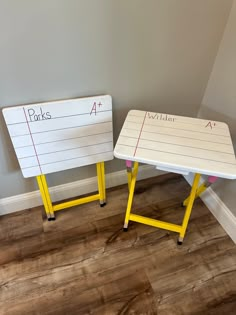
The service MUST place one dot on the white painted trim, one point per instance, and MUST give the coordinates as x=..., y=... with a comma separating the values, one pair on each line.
x=217, y=207
x=70, y=190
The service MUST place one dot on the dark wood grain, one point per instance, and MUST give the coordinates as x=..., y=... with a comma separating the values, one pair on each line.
x=83, y=263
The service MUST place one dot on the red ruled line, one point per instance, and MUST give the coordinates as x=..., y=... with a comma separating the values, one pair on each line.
x=140, y=134
x=32, y=141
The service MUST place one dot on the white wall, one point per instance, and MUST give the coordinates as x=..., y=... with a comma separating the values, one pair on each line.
x=219, y=101
x=148, y=54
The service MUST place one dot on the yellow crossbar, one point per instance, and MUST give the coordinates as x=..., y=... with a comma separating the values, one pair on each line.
x=155, y=223
x=76, y=202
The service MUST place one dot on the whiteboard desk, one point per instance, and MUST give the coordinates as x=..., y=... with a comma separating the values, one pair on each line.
x=175, y=144
x=60, y=135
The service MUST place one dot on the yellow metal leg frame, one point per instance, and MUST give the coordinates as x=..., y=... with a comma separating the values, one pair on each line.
x=50, y=208
x=45, y=196
x=200, y=190
x=181, y=229
x=210, y=180
x=101, y=183
x=132, y=176
x=129, y=172
x=189, y=207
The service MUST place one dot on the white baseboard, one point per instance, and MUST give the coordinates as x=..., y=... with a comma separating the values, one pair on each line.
x=220, y=211
x=70, y=190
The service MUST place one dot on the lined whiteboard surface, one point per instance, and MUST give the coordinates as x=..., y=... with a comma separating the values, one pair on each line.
x=55, y=136
x=177, y=142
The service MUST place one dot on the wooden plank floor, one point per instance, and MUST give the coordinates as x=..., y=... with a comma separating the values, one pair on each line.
x=83, y=263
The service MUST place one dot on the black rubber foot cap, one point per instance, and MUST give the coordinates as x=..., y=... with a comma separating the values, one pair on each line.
x=182, y=204
x=179, y=242
x=125, y=229
x=102, y=204
x=51, y=219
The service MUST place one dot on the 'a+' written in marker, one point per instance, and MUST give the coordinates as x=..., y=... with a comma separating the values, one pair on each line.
x=95, y=108
x=210, y=124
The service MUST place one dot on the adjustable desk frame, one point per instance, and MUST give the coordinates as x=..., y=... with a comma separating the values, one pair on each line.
x=50, y=208
x=181, y=229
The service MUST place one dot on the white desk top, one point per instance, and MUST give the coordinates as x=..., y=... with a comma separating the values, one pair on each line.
x=180, y=144
x=54, y=136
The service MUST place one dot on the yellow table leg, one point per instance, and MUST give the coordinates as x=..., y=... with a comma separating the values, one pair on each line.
x=101, y=180
x=129, y=176
x=45, y=202
x=129, y=172
x=200, y=190
x=131, y=195
x=43, y=187
x=189, y=207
